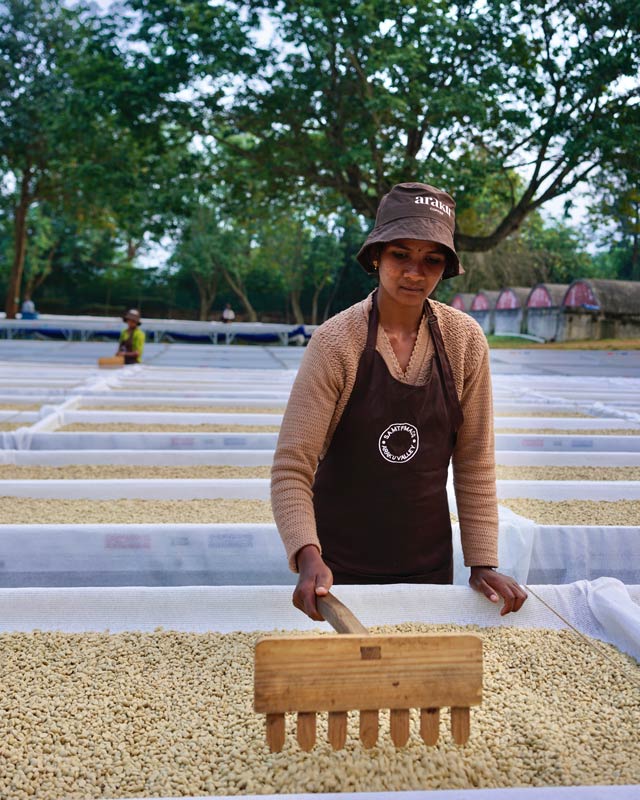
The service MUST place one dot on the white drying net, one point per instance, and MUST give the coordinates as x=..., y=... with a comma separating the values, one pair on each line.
x=165, y=554
x=605, y=609
x=515, y=546
x=26, y=439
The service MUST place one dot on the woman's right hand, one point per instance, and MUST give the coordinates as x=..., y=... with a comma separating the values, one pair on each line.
x=314, y=579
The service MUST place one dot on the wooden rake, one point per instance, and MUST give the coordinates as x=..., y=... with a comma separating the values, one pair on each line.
x=358, y=671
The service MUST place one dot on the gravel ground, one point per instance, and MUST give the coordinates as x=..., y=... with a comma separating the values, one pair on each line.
x=171, y=714
x=572, y=432
x=136, y=427
x=576, y=512
x=18, y=510
x=178, y=409
x=19, y=406
x=9, y=472
x=12, y=426
x=549, y=473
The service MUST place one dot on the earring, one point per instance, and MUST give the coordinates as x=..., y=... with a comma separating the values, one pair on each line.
x=375, y=265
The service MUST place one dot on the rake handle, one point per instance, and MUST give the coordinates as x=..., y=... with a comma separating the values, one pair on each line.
x=341, y=619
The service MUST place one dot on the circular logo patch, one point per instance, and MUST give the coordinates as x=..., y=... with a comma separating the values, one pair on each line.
x=399, y=443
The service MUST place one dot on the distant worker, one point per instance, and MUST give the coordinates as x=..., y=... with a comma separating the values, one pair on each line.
x=228, y=314
x=28, y=309
x=132, y=338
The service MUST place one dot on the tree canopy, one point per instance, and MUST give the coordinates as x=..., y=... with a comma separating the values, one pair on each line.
x=362, y=94
x=271, y=128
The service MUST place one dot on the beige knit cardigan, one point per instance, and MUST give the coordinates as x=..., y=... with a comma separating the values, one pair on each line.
x=319, y=396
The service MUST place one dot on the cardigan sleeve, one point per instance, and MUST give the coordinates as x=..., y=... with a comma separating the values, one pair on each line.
x=474, y=459
x=316, y=391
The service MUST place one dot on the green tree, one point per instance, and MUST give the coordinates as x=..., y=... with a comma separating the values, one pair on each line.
x=610, y=264
x=303, y=248
x=43, y=121
x=237, y=274
x=43, y=241
x=361, y=94
x=325, y=256
x=616, y=215
x=557, y=251
x=86, y=269
x=349, y=282
x=208, y=251
x=284, y=248
x=540, y=252
x=93, y=121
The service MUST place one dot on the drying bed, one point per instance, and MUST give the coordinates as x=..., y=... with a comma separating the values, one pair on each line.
x=200, y=471
x=520, y=412
x=133, y=427
x=42, y=510
x=563, y=473
x=169, y=713
x=575, y=512
x=572, y=432
x=192, y=488
x=239, y=553
x=133, y=472
x=188, y=409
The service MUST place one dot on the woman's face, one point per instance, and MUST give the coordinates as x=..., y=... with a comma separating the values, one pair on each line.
x=410, y=269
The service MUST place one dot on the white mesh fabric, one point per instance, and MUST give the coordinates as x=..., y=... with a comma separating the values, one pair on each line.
x=512, y=793
x=229, y=608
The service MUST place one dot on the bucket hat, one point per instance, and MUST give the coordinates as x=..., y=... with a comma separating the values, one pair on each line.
x=132, y=314
x=414, y=211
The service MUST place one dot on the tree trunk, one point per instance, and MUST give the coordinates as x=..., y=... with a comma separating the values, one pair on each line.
x=30, y=287
x=205, y=307
x=239, y=290
x=635, y=249
x=294, y=297
x=35, y=281
x=20, y=247
x=314, y=304
x=207, y=291
x=334, y=291
x=132, y=249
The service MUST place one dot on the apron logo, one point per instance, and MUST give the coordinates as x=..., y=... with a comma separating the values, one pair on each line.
x=399, y=443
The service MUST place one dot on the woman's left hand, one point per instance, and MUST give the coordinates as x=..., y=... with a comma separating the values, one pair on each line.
x=494, y=585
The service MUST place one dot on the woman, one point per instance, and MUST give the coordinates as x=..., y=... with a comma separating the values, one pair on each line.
x=388, y=392
x=131, y=343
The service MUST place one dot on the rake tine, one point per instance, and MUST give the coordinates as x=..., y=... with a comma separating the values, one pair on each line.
x=460, y=724
x=306, y=729
x=430, y=725
x=337, y=732
x=368, y=728
x=275, y=732
x=399, y=726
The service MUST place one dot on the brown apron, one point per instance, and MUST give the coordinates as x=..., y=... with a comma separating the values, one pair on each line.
x=379, y=493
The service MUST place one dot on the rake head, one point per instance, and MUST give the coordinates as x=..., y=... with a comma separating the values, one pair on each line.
x=337, y=674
